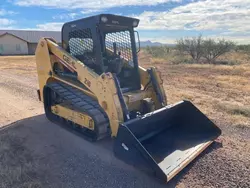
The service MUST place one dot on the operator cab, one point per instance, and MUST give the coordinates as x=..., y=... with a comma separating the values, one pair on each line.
x=105, y=43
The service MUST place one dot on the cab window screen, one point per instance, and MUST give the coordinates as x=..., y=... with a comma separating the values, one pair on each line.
x=81, y=44
x=123, y=44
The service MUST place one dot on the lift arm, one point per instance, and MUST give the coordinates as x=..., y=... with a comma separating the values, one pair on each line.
x=102, y=86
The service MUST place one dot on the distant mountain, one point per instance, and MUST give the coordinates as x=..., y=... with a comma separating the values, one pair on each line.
x=149, y=43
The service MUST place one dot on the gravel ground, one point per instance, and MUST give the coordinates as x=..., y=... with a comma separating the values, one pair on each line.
x=37, y=153
x=55, y=157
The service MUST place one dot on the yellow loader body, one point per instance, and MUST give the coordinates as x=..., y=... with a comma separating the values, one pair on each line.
x=93, y=83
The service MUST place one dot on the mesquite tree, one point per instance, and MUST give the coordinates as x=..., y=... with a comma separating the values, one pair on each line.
x=198, y=48
x=213, y=49
x=192, y=46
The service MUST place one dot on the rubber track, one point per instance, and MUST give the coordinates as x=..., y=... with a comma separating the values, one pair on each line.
x=77, y=100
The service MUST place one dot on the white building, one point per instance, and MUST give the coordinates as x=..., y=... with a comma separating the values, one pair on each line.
x=22, y=42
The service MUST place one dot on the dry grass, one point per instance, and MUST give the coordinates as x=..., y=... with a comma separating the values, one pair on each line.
x=18, y=64
x=236, y=57
x=208, y=86
x=220, y=91
x=235, y=109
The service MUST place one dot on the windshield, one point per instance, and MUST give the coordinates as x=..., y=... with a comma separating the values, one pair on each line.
x=118, y=56
x=119, y=44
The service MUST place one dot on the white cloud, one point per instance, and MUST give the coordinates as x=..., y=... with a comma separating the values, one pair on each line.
x=231, y=15
x=90, y=11
x=86, y=4
x=73, y=15
x=239, y=39
x=6, y=22
x=228, y=18
x=4, y=12
x=52, y=26
x=65, y=16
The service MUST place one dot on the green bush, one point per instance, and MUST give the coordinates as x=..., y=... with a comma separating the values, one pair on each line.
x=245, y=48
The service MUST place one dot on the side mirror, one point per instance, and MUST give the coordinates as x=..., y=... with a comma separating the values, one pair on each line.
x=137, y=43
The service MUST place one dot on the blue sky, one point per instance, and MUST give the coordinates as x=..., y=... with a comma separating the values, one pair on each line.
x=160, y=20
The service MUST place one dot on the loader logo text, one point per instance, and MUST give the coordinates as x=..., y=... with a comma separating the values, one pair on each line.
x=87, y=82
x=115, y=22
x=69, y=61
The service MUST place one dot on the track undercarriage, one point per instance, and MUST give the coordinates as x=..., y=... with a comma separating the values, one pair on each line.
x=65, y=104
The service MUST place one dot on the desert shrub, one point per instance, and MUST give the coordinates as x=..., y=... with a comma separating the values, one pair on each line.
x=235, y=109
x=245, y=48
x=158, y=51
x=191, y=46
x=212, y=49
x=162, y=54
x=199, y=48
x=181, y=59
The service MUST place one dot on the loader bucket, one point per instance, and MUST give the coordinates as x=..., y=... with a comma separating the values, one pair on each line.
x=163, y=142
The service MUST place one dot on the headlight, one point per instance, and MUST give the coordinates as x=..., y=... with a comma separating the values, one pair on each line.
x=135, y=23
x=104, y=19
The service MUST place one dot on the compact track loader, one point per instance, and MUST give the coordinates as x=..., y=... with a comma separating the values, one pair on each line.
x=93, y=83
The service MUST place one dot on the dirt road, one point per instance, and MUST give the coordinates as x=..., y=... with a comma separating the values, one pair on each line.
x=18, y=97
x=44, y=154
x=37, y=153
